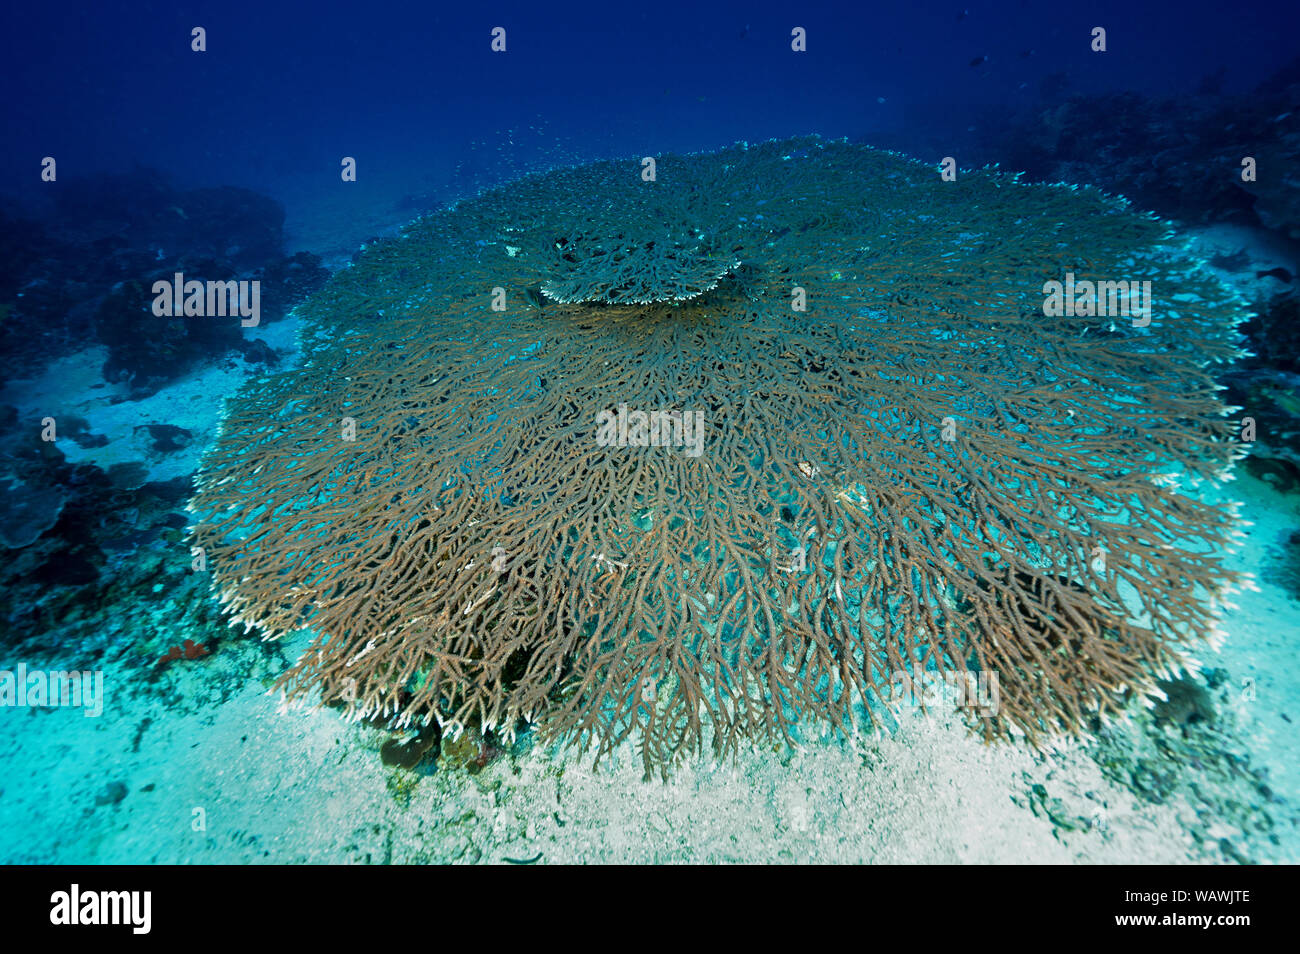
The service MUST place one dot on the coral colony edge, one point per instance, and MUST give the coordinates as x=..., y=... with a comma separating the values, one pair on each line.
x=709, y=447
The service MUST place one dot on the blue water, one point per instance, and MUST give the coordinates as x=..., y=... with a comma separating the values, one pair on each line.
x=282, y=93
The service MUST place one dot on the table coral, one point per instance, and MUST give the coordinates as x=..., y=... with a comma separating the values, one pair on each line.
x=917, y=467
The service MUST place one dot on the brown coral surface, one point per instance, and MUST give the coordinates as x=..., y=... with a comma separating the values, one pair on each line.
x=919, y=467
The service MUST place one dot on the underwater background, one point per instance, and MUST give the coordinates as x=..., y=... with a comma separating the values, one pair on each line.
x=131, y=155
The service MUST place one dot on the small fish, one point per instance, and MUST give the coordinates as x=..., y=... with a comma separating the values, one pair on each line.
x=979, y=61
x=1281, y=274
x=1026, y=54
x=963, y=15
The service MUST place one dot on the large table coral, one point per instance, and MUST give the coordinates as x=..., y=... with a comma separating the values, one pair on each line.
x=916, y=467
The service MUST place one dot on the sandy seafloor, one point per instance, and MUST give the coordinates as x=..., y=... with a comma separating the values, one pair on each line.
x=193, y=764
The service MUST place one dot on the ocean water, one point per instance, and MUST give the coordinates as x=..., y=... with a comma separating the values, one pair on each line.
x=586, y=435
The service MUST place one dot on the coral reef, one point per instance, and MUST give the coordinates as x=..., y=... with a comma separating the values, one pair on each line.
x=83, y=270
x=1266, y=381
x=65, y=527
x=148, y=350
x=919, y=468
x=1189, y=163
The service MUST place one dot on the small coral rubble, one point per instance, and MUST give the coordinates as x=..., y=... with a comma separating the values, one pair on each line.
x=191, y=650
